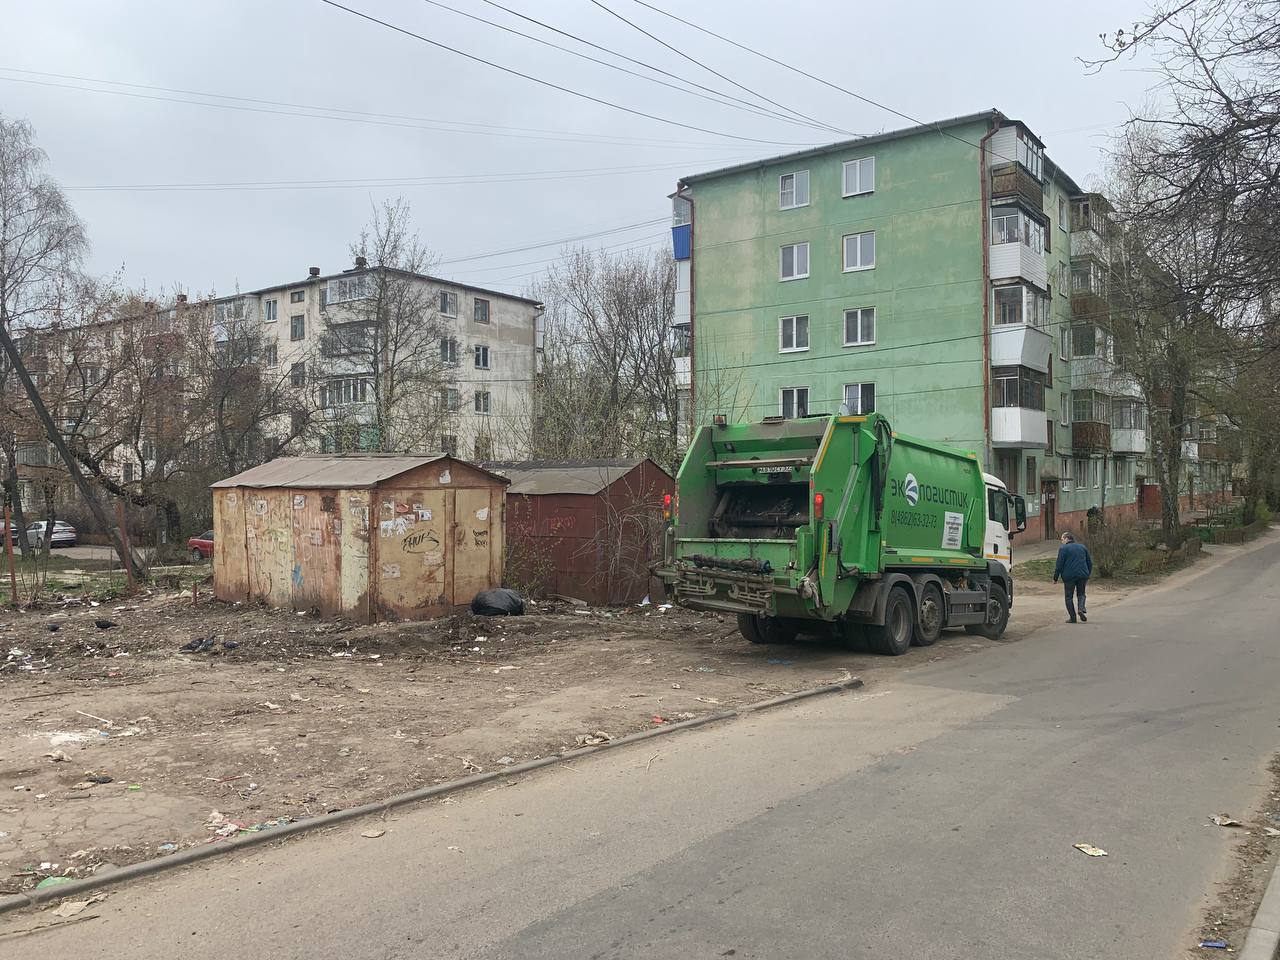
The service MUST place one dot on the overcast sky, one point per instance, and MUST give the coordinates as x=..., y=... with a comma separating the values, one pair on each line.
x=550, y=165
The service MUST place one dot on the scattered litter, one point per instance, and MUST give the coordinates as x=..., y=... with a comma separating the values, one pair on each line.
x=52, y=627
x=502, y=602
x=683, y=716
x=341, y=653
x=73, y=908
x=58, y=756
x=1088, y=849
x=362, y=690
x=505, y=667
x=1214, y=944
x=591, y=739
x=96, y=778
x=102, y=623
x=664, y=607
x=706, y=699
x=269, y=705
x=470, y=765
x=103, y=720
x=1271, y=831
x=774, y=661
x=458, y=849
x=645, y=602
x=167, y=847
x=372, y=834
x=676, y=686
x=229, y=644
x=506, y=761
x=299, y=698
x=134, y=786
x=48, y=882
x=657, y=719
x=1223, y=820
x=199, y=645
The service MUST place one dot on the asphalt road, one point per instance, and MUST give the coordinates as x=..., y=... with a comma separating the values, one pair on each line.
x=930, y=817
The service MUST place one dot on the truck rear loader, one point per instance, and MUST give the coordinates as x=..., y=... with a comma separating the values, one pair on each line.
x=839, y=524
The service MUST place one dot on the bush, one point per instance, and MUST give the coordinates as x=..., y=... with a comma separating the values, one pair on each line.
x=1263, y=513
x=1117, y=547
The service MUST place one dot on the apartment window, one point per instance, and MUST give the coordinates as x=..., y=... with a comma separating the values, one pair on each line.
x=1088, y=406
x=271, y=355
x=227, y=310
x=1064, y=409
x=794, y=402
x=342, y=289
x=449, y=444
x=1008, y=305
x=1033, y=476
x=128, y=471
x=449, y=350
x=1064, y=473
x=448, y=303
x=860, y=251
x=860, y=398
x=1017, y=387
x=794, y=261
x=1011, y=225
x=859, y=326
x=270, y=310
x=859, y=176
x=480, y=310
x=793, y=190
x=298, y=327
x=1062, y=214
x=1086, y=341
x=793, y=334
x=482, y=401
x=484, y=448
x=297, y=296
x=1050, y=447
x=344, y=391
x=298, y=373
x=1128, y=415
x=481, y=352
x=1064, y=346
x=1030, y=154
x=449, y=400
x=1117, y=473
x=1048, y=376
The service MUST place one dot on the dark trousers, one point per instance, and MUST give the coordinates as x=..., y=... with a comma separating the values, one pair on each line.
x=1076, y=588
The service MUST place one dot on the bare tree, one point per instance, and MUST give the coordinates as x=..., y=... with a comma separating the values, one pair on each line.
x=386, y=352
x=41, y=244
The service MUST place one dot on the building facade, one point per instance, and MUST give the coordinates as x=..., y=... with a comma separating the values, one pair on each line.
x=949, y=276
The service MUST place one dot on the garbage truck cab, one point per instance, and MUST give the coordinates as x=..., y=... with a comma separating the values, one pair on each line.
x=839, y=524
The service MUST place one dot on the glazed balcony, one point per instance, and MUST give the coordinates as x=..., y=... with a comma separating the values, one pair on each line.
x=1090, y=436
x=1013, y=181
x=1018, y=427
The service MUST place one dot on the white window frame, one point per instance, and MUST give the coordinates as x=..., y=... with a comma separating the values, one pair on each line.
x=844, y=251
x=782, y=405
x=483, y=402
x=1063, y=214
x=1065, y=474
x=475, y=310
x=478, y=351
x=860, y=311
x=449, y=351
x=796, y=180
x=1064, y=408
x=270, y=310
x=303, y=318
x=859, y=188
x=297, y=296
x=844, y=396
x=791, y=322
x=448, y=303
x=795, y=248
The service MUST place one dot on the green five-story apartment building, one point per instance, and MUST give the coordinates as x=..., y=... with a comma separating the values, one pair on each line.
x=949, y=276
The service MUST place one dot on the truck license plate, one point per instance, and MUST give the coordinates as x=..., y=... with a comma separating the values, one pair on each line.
x=773, y=469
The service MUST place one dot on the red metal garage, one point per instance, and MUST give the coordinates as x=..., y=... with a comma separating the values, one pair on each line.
x=584, y=528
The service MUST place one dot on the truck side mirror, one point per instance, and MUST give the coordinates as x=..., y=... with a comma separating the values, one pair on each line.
x=1020, y=513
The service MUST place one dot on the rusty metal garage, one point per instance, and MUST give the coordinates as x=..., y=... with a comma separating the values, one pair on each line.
x=584, y=528
x=372, y=537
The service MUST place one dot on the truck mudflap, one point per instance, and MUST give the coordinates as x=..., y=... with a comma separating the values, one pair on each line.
x=734, y=591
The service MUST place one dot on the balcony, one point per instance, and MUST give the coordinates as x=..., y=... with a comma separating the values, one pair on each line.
x=1191, y=451
x=1012, y=180
x=1128, y=441
x=1016, y=260
x=1090, y=436
x=683, y=377
x=1018, y=427
x=1209, y=450
x=1020, y=345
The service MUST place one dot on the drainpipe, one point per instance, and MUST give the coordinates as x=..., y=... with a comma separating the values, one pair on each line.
x=984, y=179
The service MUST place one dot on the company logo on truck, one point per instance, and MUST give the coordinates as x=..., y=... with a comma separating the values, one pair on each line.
x=913, y=492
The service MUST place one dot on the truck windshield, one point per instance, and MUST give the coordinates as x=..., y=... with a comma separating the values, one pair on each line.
x=998, y=507
x=771, y=511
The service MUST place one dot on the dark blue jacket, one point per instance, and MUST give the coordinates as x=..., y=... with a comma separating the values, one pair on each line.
x=1074, y=562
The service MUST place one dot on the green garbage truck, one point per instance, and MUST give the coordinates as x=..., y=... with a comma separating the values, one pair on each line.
x=839, y=524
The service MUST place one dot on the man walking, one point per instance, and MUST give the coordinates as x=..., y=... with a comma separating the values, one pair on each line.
x=1074, y=566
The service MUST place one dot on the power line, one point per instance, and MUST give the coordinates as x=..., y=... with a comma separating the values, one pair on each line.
x=794, y=69
x=548, y=243
x=711, y=70
x=350, y=116
x=713, y=96
x=546, y=83
x=362, y=182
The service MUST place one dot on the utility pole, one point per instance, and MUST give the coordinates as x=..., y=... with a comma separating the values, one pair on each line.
x=131, y=561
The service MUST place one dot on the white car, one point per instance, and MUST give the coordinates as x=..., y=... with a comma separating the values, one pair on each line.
x=64, y=534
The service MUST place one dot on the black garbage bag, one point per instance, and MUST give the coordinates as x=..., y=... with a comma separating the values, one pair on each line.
x=502, y=602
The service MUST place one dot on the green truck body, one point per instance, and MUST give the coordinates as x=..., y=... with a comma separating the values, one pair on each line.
x=838, y=523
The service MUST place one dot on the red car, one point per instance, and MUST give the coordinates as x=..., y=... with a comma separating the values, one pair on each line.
x=201, y=547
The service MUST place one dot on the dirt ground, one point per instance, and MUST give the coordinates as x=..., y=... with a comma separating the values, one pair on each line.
x=278, y=716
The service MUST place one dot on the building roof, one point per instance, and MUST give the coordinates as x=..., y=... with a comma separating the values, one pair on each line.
x=538, y=477
x=332, y=471
x=857, y=142
x=407, y=273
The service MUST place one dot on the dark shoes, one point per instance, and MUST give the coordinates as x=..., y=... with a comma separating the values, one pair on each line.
x=1070, y=621
x=1083, y=618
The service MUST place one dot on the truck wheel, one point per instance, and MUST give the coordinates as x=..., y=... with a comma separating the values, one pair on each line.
x=852, y=636
x=776, y=630
x=894, y=637
x=748, y=628
x=997, y=616
x=930, y=616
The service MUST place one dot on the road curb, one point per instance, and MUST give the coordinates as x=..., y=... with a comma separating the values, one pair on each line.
x=1263, y=938
x=146, y=868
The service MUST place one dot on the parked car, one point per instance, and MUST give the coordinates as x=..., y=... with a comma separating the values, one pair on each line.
x=64, y=534
x=201, y=547
x=12, y=529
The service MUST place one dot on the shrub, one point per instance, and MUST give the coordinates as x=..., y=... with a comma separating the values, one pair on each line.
x=1117, y=547
x=1263, y=513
